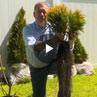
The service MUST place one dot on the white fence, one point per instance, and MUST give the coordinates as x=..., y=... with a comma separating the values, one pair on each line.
x=10, y=8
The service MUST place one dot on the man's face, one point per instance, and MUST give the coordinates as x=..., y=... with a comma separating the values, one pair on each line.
x=40, y=13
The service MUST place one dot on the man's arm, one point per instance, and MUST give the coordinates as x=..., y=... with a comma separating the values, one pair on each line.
x=57, y=38
x=72, y=38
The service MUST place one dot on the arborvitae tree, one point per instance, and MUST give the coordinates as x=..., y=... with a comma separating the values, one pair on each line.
x=68, y=22
x=79, y=53
x=15, y=45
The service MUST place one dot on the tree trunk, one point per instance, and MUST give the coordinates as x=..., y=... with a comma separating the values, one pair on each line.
x=64, y=69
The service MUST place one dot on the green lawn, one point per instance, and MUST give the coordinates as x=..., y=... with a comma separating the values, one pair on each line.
x=82, y=86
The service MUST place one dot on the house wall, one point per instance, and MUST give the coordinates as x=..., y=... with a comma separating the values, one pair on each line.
x=10, y=8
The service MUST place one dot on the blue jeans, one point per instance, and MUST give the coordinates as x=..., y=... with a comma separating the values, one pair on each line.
x=39, y=79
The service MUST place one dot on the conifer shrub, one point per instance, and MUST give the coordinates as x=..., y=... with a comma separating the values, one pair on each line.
x=79, y=52
x=58, y=17
x=70, y=23
x=15, y=45
x=64, y=20
x=76, y=21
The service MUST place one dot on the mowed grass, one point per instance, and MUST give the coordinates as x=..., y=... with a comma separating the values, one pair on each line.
x=82, y=86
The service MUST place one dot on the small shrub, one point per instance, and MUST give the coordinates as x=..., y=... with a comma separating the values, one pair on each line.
x=76, y=21
x=79, y=53
x=64, y=20
x=58, y=17
x=67, y=21
x=15, y=45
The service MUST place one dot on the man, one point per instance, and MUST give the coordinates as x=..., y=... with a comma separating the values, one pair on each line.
x=36, y=36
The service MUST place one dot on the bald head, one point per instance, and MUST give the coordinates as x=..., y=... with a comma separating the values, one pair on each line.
x=40, y=11
x=41, y=3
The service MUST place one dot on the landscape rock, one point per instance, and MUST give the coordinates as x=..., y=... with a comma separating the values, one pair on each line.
x=14, y=75
x=86, y=68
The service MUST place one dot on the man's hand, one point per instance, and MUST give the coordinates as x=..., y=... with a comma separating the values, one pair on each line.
x=59, y=36
x=72, y=37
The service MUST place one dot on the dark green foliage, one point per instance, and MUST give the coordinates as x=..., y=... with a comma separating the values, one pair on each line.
x=79, y=53
x=15, y=45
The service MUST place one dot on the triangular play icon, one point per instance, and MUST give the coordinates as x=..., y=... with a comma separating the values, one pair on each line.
x=48, y=48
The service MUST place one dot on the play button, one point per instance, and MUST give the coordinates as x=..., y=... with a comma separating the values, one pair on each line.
x=48, y=48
